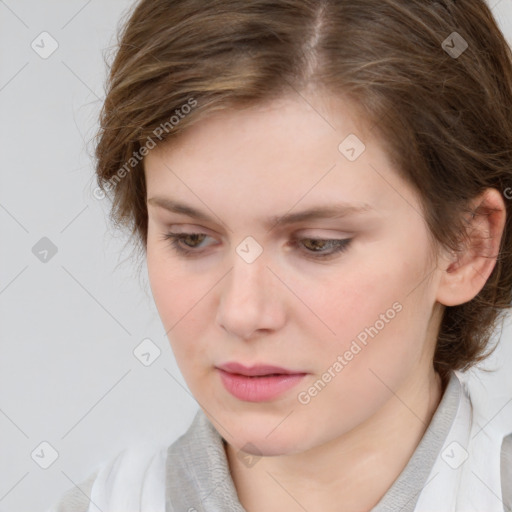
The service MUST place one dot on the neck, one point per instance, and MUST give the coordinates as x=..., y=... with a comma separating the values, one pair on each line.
x=355, y=469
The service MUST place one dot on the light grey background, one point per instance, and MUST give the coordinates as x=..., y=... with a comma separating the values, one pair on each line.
x=68, y=375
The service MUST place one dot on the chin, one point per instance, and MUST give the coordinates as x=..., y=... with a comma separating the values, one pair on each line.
x=265, y=439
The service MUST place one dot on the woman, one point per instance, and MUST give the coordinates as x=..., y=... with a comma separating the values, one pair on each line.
x=322, y=193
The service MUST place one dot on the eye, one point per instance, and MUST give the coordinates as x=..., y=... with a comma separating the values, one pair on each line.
x=188, y=244
x=176, y=240
x=316, y=248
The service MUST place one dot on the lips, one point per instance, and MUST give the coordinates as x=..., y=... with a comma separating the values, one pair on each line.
x=258, y=383
x=256, y=370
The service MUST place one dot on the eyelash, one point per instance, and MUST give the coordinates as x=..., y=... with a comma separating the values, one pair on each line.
x=340, y=245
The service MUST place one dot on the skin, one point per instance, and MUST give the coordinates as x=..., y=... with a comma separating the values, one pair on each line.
x=350, y=442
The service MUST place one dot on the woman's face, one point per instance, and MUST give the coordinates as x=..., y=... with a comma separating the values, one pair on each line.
x=351, y=317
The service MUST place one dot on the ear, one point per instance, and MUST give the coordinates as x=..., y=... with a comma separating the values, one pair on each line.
x=465, y=272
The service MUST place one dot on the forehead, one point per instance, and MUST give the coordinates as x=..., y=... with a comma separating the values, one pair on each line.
x=269, y=157
x=296, y=122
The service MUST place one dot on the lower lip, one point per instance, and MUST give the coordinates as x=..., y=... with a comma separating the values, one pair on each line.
x=259, y=389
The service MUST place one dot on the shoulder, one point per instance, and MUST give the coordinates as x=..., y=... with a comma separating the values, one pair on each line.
x=506, y=471
x=140, y=474
x=76, y=499
x=506, y=452
x=135, y=474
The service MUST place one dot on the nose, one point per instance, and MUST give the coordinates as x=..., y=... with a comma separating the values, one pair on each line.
x=251, y=299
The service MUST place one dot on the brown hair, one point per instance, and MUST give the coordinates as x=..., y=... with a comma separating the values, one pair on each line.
x=445, y=118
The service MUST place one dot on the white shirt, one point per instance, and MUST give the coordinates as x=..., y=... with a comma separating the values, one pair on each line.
x=458, y=466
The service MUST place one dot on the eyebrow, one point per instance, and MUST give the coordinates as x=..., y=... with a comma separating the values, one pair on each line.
x=315, y=213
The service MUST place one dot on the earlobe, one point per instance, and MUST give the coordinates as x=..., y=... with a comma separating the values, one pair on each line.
x=466, y=272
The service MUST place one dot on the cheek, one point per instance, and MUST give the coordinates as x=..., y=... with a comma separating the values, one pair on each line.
x=165, y=284
x=379, y=310
x=380, y=336
x=177, y=299
x=174, y=289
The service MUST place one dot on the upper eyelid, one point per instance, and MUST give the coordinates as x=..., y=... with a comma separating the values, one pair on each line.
x=340, y=246
x=294, y=239
x=296, y=236
x=205, y=245
x=336, y=233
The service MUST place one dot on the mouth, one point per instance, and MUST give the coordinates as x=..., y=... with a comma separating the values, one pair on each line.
x=258, y=383
x=259, y=370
